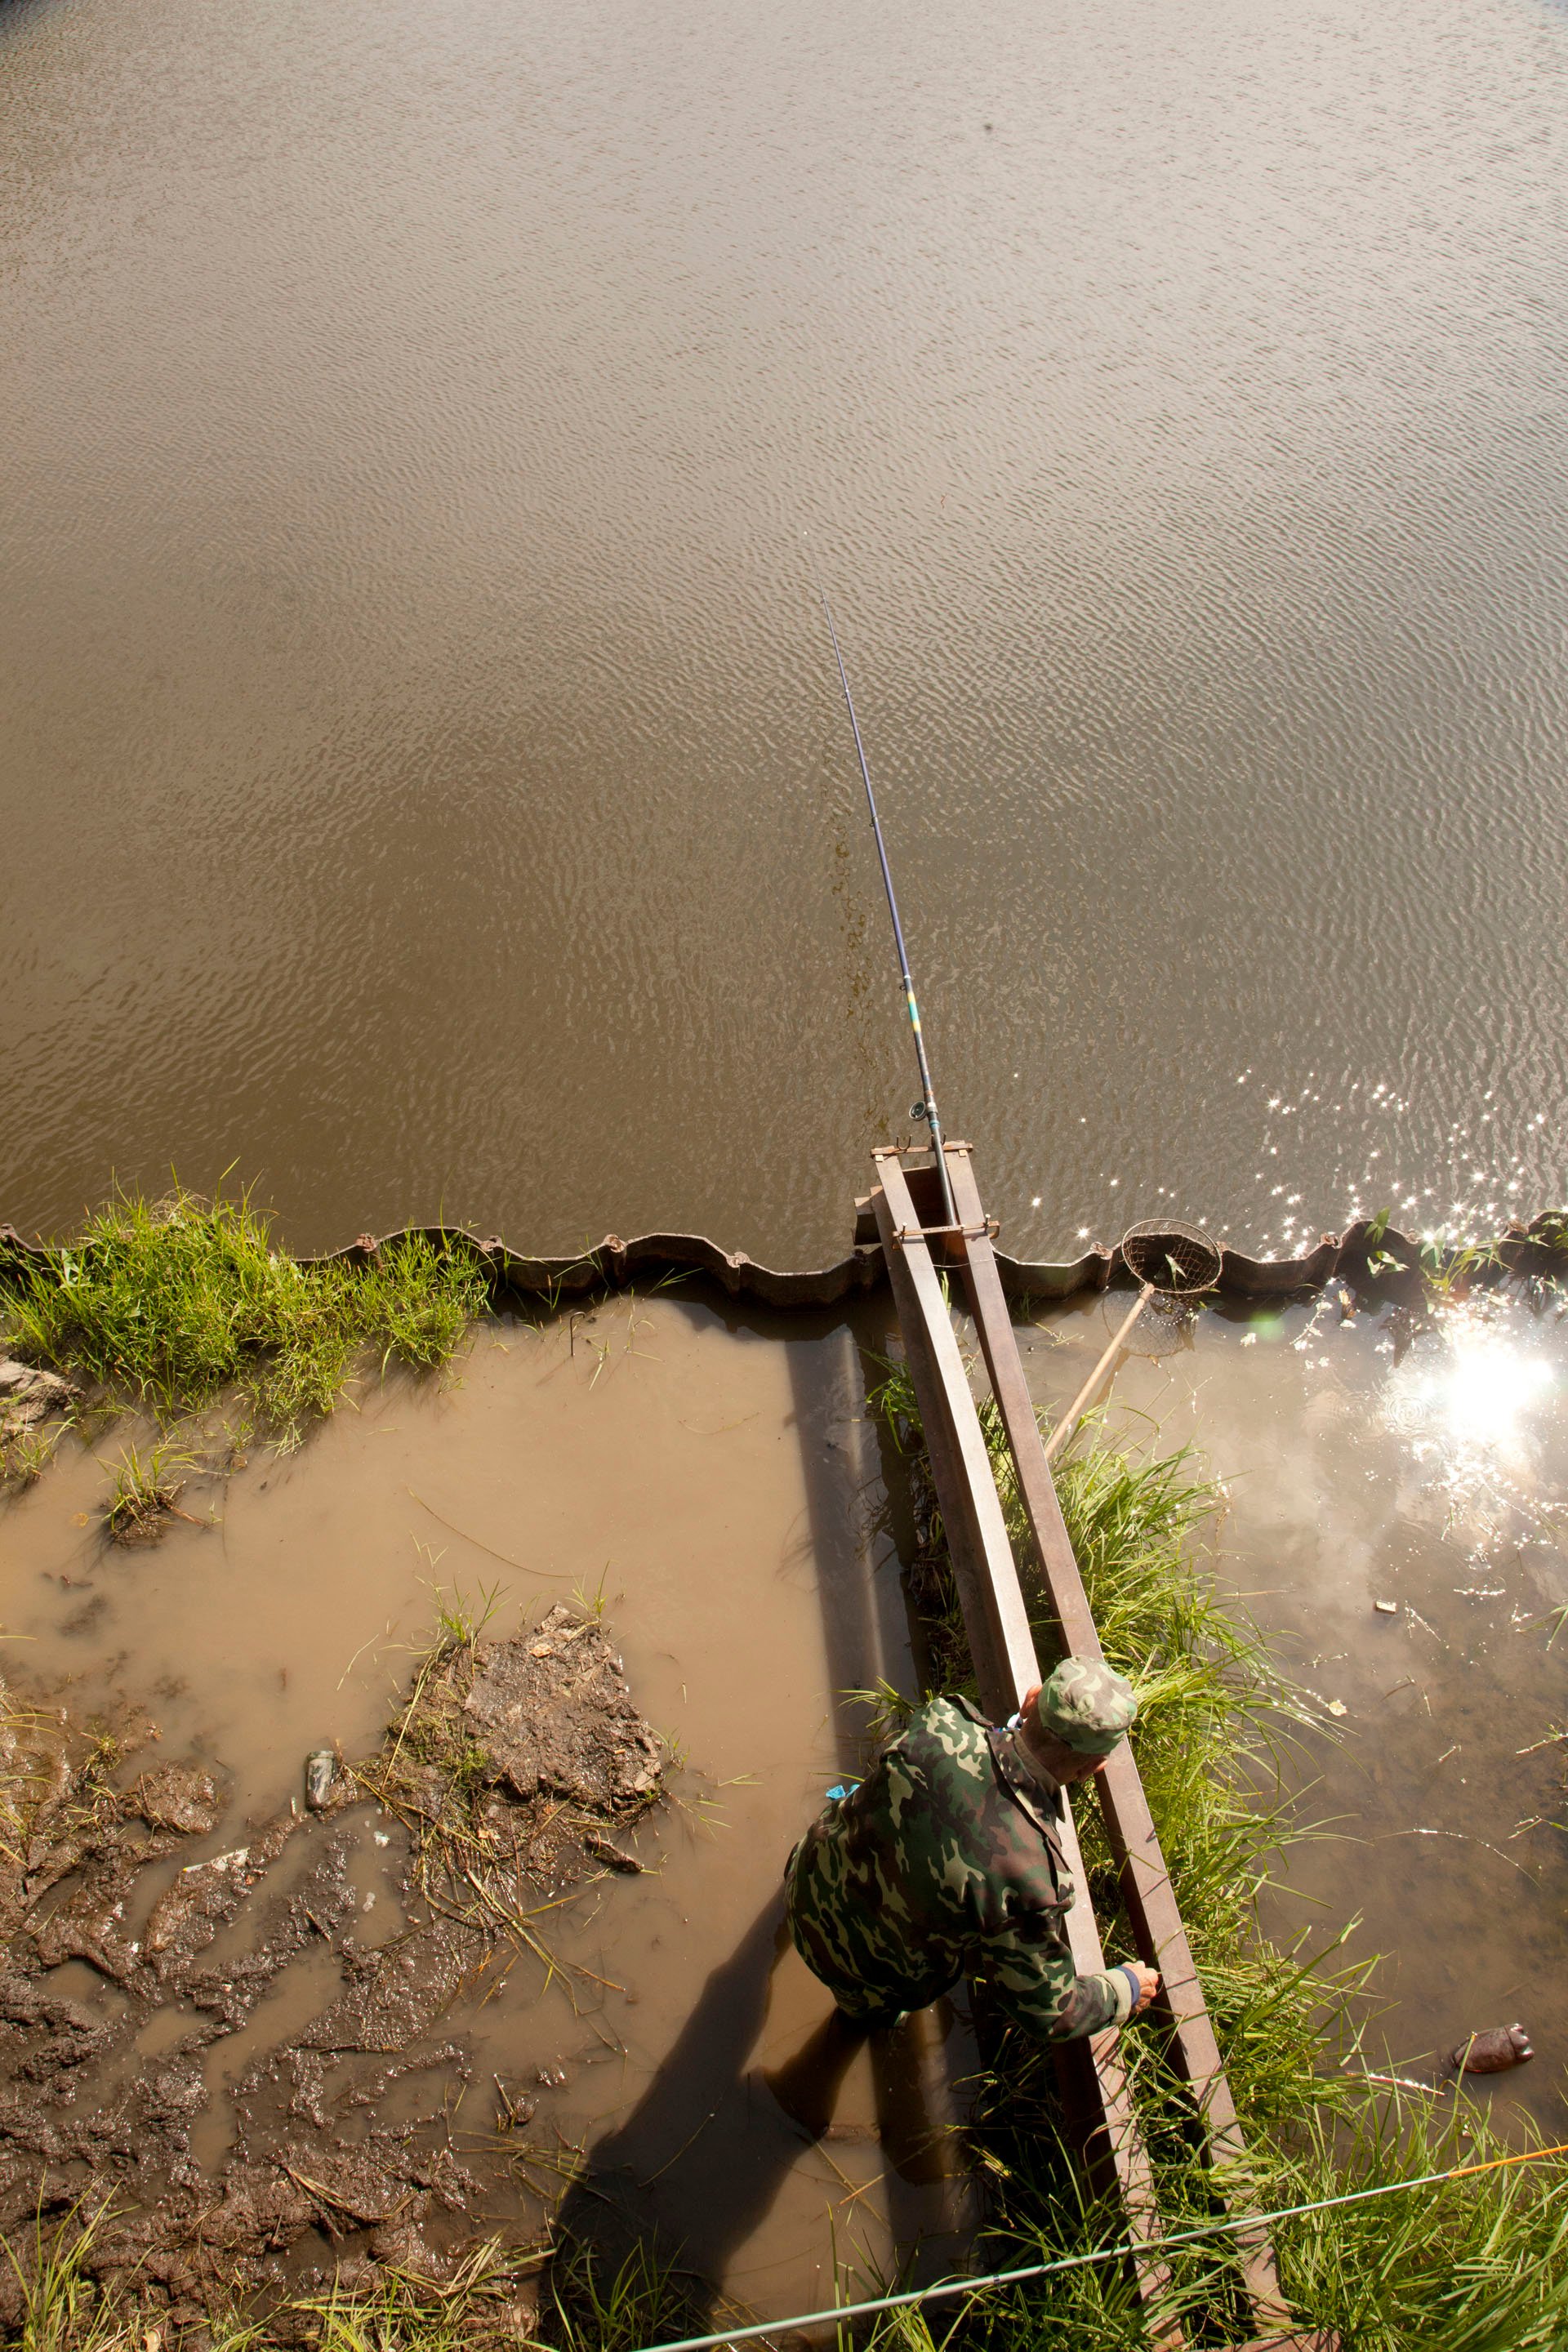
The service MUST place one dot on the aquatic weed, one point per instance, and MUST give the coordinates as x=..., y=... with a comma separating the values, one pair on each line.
x=598, y=2306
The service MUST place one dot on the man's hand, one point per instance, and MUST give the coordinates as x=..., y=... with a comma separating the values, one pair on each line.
x=1149, y=1985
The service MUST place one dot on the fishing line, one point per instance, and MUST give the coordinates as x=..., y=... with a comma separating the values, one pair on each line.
x=926, y=1108
x=1154, y=2248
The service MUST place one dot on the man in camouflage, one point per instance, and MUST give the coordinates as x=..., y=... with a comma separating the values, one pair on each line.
x=946, y=1861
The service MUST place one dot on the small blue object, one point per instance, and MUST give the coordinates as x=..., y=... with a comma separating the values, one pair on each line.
x=840, y=1790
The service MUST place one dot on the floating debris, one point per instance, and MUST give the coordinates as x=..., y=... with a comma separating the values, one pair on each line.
x=1386, y=1608
x=1421, y=1620
x=1494, y=2051
x=1399, y=2082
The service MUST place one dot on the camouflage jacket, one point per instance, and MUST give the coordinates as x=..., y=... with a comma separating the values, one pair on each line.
x=945, y=1862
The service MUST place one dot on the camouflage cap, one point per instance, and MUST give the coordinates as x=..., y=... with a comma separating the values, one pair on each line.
x=1087, y=1706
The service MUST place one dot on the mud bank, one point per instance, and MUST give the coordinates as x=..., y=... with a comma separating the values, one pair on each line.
x=506, y=1786
x=377, y=2056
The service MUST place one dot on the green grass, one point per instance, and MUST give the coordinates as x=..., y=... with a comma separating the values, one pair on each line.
x=144, y=1494
x=24, y=1457
x=1473, y=2267
x=170, y=1305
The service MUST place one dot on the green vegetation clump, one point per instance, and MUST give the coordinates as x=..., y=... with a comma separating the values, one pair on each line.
x=1473, y=2266
x=171, y=1303
x=144, y=1494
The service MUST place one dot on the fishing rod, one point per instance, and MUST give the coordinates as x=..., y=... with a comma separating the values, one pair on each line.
x=926, y=1108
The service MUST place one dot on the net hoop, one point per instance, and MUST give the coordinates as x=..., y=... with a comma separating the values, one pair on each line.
x=1179, y=1261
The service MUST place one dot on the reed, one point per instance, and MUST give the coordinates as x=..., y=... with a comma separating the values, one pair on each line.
x=170, y=1304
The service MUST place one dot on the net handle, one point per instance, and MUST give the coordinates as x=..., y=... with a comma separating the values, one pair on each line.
x=1075, y=1411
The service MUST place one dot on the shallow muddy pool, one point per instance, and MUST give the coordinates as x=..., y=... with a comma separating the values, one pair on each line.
x=1421, y=1464
x=711, y=1482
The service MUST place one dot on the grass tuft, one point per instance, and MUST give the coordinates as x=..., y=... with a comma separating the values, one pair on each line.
x=24, y=1457
x=170, y=1304
x=145, y=1494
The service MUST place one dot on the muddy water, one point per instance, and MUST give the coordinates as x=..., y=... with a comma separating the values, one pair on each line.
x=716, y=1485
x=1426, y=1469
x=420, y=773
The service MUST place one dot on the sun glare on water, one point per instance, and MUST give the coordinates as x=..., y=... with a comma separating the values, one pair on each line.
x=1481, y=1394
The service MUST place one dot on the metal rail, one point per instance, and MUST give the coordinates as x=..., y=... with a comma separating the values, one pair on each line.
x=1095, y=2084
x=1002, y=1644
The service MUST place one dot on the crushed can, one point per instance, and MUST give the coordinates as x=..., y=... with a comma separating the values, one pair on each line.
x=321, y=1771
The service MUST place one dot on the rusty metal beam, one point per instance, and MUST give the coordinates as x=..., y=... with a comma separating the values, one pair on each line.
x=1146, y=1883
x=1006, y=1664
x=1151, y=1907
x=1008, y=1669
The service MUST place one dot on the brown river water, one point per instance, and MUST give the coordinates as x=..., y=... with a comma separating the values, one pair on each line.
x=422, y=780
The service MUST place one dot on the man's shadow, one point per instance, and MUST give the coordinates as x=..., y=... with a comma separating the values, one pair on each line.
x=694, y=2171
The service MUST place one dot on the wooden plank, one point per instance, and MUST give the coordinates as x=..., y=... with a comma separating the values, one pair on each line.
x=1146, y=1887
x=1007, y=1669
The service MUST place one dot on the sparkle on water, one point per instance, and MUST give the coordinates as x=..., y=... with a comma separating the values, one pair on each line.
x=1483, y=1398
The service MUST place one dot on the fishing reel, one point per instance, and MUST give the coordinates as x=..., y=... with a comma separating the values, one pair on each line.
x=919, y=1111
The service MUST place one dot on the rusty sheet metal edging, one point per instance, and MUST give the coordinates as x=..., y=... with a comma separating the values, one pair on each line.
x=1540, y=1247
x=1006, y=1664
x=1145, y=1880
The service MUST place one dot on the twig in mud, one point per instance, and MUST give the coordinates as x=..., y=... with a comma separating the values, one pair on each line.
x=1553, y=1739
x=546, y=1576
x=513, y=1922
x=648, y=2179
x=359, y=1655
x=500, y=1983
x=332, y=2202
